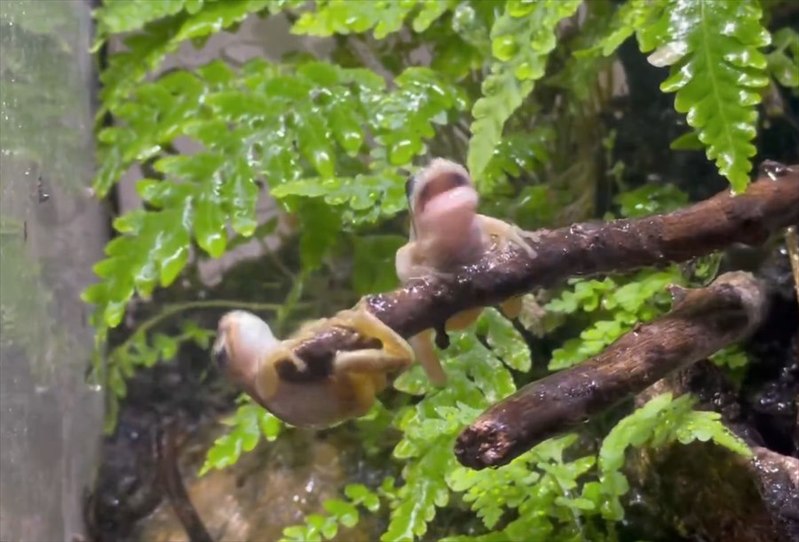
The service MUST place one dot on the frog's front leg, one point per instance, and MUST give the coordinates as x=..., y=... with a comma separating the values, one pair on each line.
x=366, y=370
x=409, y=266
x=267, y=379
x=505, y=234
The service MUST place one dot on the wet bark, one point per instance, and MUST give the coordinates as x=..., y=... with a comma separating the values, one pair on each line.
x=707, y=490
x=701, y=322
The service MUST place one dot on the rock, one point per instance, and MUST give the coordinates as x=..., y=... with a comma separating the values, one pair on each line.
x=276, y=485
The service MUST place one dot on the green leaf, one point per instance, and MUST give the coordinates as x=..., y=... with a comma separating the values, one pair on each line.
x=732, y=357
x=160, y=36
x=506, y=341
x=344, y=512
x=516, y=155
x=431, y=11
x=405, y=118
x=239, y=193
x=629, y=17
x=271, y=426
x=313, y=139
x=345, y=122
x=425, y=490
x=117, y=16
x=340, y=512
x=217, y=16
x=153, y=251
x=659, y=422
x=321, y=231
x=689, y=141
x=362, y=495
x=717, y=71
x=247, y=425
x=783, y=61
x=359, y=194
x=522, y=39
x=384, y=16
x=209, y=224
x=651, y=199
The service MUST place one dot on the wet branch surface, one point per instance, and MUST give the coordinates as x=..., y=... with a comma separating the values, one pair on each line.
x=701, y=322
x=765, y=208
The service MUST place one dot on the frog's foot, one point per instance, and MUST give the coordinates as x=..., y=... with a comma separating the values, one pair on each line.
x=463, y=319
x=424, y=271
x=512, y=307
x=367, y=324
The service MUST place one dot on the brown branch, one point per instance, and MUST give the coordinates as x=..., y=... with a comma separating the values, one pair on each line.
x=582, y=249
x=702, y=321
x=169, y=474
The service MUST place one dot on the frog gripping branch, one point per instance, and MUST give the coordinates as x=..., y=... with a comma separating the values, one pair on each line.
x=312, y=391
x=312, y=359
x=446, y=234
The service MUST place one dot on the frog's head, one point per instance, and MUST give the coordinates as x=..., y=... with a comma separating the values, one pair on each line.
x=243, y=341
x=441, y=197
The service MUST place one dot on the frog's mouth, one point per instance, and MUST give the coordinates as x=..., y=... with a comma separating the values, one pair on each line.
x=447, y=200
x=438, y=186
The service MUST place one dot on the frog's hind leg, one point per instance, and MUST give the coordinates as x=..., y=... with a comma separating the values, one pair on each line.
x=422, y=344
x=361, y=392
x=369, y=325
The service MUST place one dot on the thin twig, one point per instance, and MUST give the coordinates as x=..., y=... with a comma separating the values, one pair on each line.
x=169, y=475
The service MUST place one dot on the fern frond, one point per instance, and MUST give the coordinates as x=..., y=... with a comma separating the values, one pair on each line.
x=383, y=16
x=522, y=39
x=287, y=124
x=717, y=71
x=661, y=421
x=783, y=61
x=163, y=27
x=629, y=17
x=248, y=425
x=118, y=16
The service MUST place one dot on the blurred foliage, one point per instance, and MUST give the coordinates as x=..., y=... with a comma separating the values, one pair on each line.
x=518, y=90
x=249, y=423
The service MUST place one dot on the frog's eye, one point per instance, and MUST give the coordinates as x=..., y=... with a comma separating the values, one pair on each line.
x=221, y=357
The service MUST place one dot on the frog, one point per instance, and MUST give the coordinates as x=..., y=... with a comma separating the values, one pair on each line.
x=447, y=233
x=316, y=392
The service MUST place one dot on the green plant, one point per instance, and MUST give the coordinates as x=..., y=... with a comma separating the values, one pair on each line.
x=514, y=89
x=249, y=423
